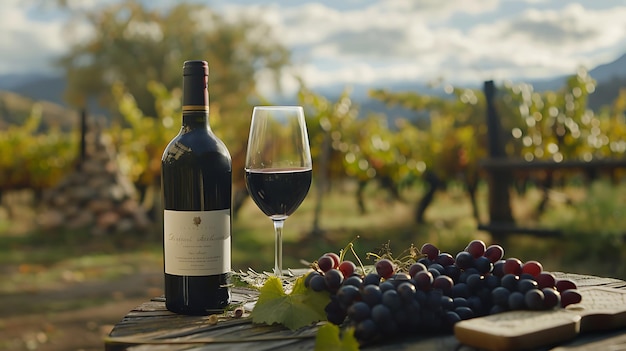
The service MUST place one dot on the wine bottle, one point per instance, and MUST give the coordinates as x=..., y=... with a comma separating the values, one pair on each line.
x=196, y=182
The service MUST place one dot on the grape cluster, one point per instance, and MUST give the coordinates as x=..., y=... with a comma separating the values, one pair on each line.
x=436, y=291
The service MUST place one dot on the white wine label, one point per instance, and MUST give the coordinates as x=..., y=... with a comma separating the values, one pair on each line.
x=196, y=243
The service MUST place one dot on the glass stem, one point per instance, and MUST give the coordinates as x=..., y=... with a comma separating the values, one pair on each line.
x=278, y=247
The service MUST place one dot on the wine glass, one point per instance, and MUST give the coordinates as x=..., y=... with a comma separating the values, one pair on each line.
x=278, y=166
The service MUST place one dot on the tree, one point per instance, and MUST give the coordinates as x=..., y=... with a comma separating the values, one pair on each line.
x=136, y=45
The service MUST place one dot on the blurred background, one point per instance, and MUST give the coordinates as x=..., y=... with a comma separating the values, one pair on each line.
x=403, y=139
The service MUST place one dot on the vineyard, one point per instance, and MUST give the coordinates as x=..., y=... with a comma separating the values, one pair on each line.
x=345, y=144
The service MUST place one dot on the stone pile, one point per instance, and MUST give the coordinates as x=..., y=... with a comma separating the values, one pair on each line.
x=96, y=196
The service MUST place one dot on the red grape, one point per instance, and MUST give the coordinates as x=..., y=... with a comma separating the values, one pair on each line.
x=569, y=297
x=494, y=253
x=430, y=250
x=423, y=280
x=445, y=259
x=325, y=263
x=384, y=268
x=564, y=284
x=512, y=266
x=533, y=268
x=443, y=283
x=546, y=280
x=476, y=248
x=335, y=258
x=347, y=268
x=416, y=267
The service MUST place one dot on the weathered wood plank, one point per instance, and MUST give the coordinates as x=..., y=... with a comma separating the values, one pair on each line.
x=151, y=327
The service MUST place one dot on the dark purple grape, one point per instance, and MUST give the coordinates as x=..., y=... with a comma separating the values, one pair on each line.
x=483, y=265
x=452, y=271
x=460, y=302
x=464, y=260
x=359, y=311
x=498, y=269
x=435, y=273
x=450, y=319
x=317, y=283
x=333, y=279
x=492, y=281
x=534, y=299
x=509, y=281
x=438, y=267
x=371, y=279
x=552, y=298
x=416, y=267
x=476, y=248
x=354, y=281
x=406, y=291
x=517, y=301
x=307, y=280
x=347, y=295
x=464, y=312
x=447, y=303
x=392, y=300
x=366, y=330
x=430, y=250
x=386, y=285
x=371, y=295
x=475, y=282
x=460, y=290
x=526, y=284
x=500, y=297
x=381, y=315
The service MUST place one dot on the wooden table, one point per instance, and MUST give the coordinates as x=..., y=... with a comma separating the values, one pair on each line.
x=151, y=327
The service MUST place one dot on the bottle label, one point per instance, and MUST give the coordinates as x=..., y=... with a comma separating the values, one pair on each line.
x=196, y=243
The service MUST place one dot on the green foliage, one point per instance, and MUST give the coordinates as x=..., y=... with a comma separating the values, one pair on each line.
x=328, y=338
x=134, y=44
x=300, y=308
x=34, y=159
x=599, y=215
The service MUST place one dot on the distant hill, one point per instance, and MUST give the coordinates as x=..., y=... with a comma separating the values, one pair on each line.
x=611, y=77
x=15, y=108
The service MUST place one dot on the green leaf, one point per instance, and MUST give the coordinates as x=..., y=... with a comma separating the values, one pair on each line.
x=328, y=339
x=296, y=310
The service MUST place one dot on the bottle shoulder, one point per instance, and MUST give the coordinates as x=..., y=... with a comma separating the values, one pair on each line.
x=196, y=143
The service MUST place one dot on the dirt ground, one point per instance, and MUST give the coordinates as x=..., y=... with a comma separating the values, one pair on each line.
x=88, y=311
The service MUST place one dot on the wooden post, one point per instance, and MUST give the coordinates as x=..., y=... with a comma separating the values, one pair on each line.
x=83, y=133
x=498, y=179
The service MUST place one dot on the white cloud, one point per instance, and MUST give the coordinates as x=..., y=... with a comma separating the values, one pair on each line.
x=366, y=42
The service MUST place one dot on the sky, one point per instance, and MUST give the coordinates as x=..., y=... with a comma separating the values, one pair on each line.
x=373, y=42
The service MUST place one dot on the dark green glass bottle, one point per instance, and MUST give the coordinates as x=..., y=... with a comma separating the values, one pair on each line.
x=196, y=182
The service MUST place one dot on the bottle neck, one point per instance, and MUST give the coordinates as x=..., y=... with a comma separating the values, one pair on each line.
x=195, y=95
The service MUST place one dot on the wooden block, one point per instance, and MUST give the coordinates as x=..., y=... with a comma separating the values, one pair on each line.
x=518, y=330
x=601, y=308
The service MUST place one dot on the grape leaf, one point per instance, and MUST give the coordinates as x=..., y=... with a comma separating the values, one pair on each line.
x=327, y=339
x=300, y=308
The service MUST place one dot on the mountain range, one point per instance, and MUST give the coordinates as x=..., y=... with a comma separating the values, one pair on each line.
x=610, y=78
